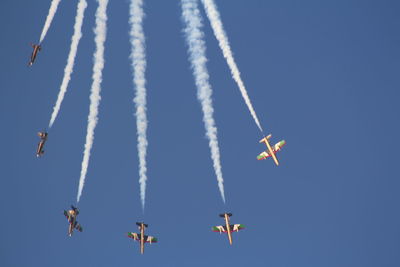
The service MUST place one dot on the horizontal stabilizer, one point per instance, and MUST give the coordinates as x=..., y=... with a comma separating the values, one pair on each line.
x=140, y=224
x=266, y=138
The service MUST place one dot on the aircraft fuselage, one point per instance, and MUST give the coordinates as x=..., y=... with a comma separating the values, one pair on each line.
x=43, y=138
x=141, y=238
x=228, y=228
x=36, y=49
x=71, y=220
x=39, y=151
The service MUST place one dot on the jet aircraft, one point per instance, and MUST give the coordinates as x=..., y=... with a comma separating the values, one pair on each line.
x=36, y=49
x=142, y=238
x=73, y=223
x=43, y=138
x=228, y=228
x=271, y=151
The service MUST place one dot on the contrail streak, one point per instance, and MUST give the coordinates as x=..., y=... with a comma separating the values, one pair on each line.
x=219, y=32
x=100, y=37
x=197, y=50
x=138, y=57
x=71, y=58
x=50, y=16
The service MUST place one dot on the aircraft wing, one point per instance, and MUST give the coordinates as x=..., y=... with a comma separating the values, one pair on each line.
x=147, y=239
x=236, y=227
x=134, y=236
x=78, y=227
x=219, y=228
x=222, y=229
x=150, y=239
x=279, y=145
x=263, y=155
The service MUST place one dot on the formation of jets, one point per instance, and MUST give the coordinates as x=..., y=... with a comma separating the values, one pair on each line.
x=228, y=228
x=36, y=49
x=73, y=224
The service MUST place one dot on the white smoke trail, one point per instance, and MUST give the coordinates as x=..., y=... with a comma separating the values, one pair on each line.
x=49, y=19
x=100, y=37
x=195, y=40
x=71, y=58
x=138, y=57
x=219, y=32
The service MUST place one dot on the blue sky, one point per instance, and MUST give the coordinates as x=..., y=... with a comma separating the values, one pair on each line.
x=323, y=75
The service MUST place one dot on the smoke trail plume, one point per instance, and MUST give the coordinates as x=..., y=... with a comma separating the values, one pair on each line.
x=138, y=57
x=71, y=58
x=219, y=32
x=98, y=57
x=195, y=40
x=50, y=16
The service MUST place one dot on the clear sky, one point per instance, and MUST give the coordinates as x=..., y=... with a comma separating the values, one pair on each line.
x=323, y=75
